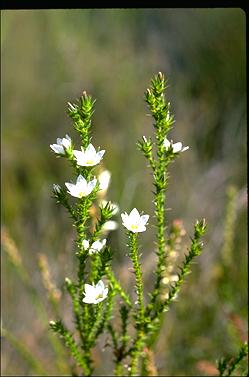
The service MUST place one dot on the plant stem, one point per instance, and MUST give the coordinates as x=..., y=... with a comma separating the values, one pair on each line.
x=138, y=275
x=140, y=310
x=136, y=353
x=242, y=353
x=118, y=369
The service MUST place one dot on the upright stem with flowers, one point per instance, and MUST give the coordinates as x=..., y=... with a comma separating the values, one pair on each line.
x=96, y=288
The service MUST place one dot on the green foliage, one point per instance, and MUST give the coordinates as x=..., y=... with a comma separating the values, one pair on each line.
x=67, y=338
x=227, y=365
x=81, y=115
x=92, y=320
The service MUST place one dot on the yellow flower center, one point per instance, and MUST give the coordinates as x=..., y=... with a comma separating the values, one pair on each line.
x=90, y=162
x=134, y=227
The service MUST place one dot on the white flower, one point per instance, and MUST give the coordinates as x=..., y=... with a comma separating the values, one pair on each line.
x=177, y=147
x=95, y=293
x=104, y=180
x=174, y=278
x=89, y=157
x=62, y=144
x=171, y=278
x=81, y=188
x=97, y=246
x=85, y=244
x=110, y=225
x=134, y=222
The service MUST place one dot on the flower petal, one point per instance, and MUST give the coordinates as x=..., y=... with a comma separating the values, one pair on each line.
x=104, y=180
x=95, y=248
x=69, y=185
x=166, y=143
x=72, y=190
x=134, y=215
x=91, y=184
x=185, y=149
x=59, y=141
x=85, y=244
x=110, y=225
x=78, y=154
x=177, y=147
x=105, y=293
x=66, y=142
x=88, y=300
x=80, y=157
x=140, y=229
x=100, y=154
x=90, y=290
x=57, y=148
x=81, y=180
x=144, y=219
x=98, y=245
x=100, y=286
x=124, y=216
x=90, y=150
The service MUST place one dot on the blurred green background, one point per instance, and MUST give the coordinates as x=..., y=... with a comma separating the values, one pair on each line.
x=48, y=58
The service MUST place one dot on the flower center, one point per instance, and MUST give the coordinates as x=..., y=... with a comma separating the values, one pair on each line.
x=134, y=227
x=100, y=295
x=90, y=162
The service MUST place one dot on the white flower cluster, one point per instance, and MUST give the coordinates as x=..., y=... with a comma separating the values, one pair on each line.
x=96, y=246
x=81, y=188
x=87, y=157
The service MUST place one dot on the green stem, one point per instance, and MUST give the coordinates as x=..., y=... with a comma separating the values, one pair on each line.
x=195, y=250
x=83, y=208
x=136, y=350
x=102, y=318
x=72, y=290
x=95, y=264
x=84, y=360
x=160, y=216
x=138, y=276
x=136, y=353
x=160, y=183
x=155, y=98
x=118, y=360
x=118, y=369
x=242, y=353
